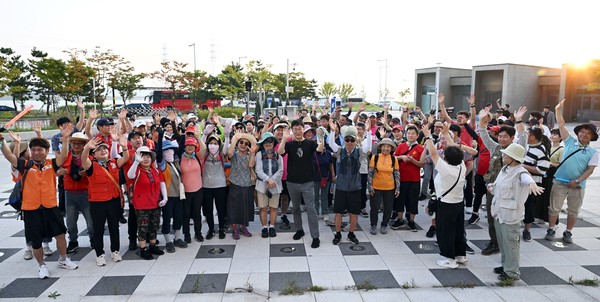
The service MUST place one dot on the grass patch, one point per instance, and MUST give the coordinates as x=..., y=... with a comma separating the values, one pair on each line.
x=54, y=295
x=505, y=283
x=408, y=284
x=366, y=286
x=462, y=284
x=595, y=282
x=316, y=288
x=196, y=288
x=292, y=289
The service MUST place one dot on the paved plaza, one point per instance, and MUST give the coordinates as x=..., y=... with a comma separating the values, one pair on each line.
x=398, y=266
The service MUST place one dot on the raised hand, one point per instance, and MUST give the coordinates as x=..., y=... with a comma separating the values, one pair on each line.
x=333, y=126
x=386, y=107
x=172, y=116
x=483, y=113
x=471, y=100
x=15, y=137
x=93, y=114
x=123, y=113
x=123, y=141
x=156, y=118
x=368, y=125
x=350, y=105
x=67, y=130
x=254, y=149
x=37, y=126
x=519, y=113
x=138, y=157
x=381, y=131
x=80, y=104
x=362, y=107
x=426, y=130
x=430, y=119
x=113, y=135
x=93, y=143
x=441, y=98
x=560, y=105
x=446, y=128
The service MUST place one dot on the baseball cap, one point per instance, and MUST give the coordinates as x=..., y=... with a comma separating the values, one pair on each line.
x=139, y=123
x=104, y=122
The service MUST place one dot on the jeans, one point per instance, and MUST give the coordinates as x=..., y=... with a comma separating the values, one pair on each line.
x=297, y=192
x=321, y=198
x=102, y=212
x=77, y=202
x=427, y=175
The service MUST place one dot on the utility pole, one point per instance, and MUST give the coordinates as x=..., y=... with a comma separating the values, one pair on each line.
x=437, y=89
x=194, y=45
x=385, y=91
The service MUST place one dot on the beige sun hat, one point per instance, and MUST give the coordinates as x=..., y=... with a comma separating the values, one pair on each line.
x=516, y=151
x=79, y=136
x=387, y=141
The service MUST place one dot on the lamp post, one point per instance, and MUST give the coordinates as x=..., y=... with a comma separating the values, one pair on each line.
x=194, y=46
x=437, y=89
x=288, y=89
x=385, y=92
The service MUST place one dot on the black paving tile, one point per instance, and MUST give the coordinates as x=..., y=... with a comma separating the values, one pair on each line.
x=380, y=279
x=203, y=283
x=422, y=247
x=26, y=287
x=362, y=248
x=287, y=250
x=115, y=285
x=216, y=251
x=135, y=255
x=593, y=268
x=279, y=281
x=456, y=277
x=6, y=253
x=558, y=246
x=540, y=276
x=580, y=223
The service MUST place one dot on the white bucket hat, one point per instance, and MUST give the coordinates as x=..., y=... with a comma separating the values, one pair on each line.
x=516, y=151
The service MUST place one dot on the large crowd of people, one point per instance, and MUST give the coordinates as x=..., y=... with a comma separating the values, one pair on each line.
x=176, y=169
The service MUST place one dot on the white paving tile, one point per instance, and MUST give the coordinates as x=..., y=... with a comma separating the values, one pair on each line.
x=338, y=296
x=170, y=266
x=429, y=294
x=332, y=279
x=130, y=267
x=167, y=285
x=548, y=258
x=324, y=263
x=421, y=277
x=519, y=294
x=474, y=294
x=259, y=281
x=401, y=261
x=582, y=257
x=250, y=264
x=72, y=288
x=563, y=293
x=365, y=263
x=209, y=297
x=384, y=294
x=288, y=264
x=211, y=266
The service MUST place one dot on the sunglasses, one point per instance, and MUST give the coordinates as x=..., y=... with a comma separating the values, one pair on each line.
x=240, y=127
x=244, y=143
x=349, y=140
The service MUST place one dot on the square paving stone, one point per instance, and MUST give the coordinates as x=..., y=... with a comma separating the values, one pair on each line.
x=279, y=281
x=215, y=251
x=362, y=248
x=380, y=279
x=422, y=247
x=135, y=255
x=20, y=233
x=456, y=277
x=26, y=287
x=472, y=226
x=115, y=285
x=580, y=223
x=287, y=250
x=6, y=253
x=75, y=256
x=282, y=228
x=540, y=276
x=481, y=244
x=593, y=268
x=558, y=245
x=8, y=214
x=204, y=283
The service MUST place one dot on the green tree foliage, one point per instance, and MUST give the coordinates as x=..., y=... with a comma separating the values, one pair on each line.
x=404, y=94
x=171, y=73
x=126, y=84
x=327, y=90
x=345, y=90
x=231, y=80
x=17, y=79
x=302, y=88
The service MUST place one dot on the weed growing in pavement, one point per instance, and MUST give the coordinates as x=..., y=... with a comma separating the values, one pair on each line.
x=595, y=282
x=410, y=284
x=316, y=288
x=505, y=283
x=292, y=289
x=54, y=295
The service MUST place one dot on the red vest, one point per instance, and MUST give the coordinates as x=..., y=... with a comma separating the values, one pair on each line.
x=101, y=187
x=146, y=194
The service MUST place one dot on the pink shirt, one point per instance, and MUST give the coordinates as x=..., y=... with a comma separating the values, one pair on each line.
x=191, y=174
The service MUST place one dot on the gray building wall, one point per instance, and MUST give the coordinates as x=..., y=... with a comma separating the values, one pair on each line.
x=448, y=77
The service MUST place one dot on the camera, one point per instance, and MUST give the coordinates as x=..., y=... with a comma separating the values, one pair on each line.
x=269, y=195
x=75, y=173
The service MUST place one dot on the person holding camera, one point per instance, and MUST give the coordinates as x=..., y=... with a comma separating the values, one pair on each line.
x=269, y=170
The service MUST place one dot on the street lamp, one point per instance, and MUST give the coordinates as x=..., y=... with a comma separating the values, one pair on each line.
x=194, y=46
x=385, y=92
x=288, y=89
x=437, y=89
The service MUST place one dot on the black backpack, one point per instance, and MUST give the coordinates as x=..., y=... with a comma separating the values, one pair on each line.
x=377, y=158
x=15, y=199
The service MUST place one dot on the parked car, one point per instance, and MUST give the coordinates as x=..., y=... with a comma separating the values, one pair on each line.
x=6, y=108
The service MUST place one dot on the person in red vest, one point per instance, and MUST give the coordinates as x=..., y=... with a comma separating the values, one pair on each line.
x=104, y=194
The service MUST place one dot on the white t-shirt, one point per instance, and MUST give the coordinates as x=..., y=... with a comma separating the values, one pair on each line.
x=446, y=177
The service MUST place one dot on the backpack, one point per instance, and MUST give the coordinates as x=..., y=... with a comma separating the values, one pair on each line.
x=225, y=163
x=377, y=158
x=15, y=199
x=495, y=166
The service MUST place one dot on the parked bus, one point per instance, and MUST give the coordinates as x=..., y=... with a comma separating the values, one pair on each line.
x=181, y=100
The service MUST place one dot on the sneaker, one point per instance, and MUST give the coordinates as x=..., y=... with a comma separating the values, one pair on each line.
x=180, y=243
x=244, y=231
x=468, y=210
x=187, y=238
x=315, y=243
x=567, y=237
x=43, y=272
x=422, y=197
x=352, y=238
x=550, y=233
x=345, y=214
x=272, y=232
x=28, y=255
x=145, y=254
x=364, y=213
x=122, y=220
x=236, y=235
x=285, y=220
x=199, y=238
x=73, y=246
x=504, y=277
x=474, y=219
x=116, y=257
x=373, y=230
x=170, y=247
x=133, y=245
x=412, y=226
x=221, y=234
x=447, y=262
x=209, y=235
x=491, y=249
x=100, y=261
x=330, y=222
x=67, y=264
x=47, y=251
x=397, y=224
x=383, y=229
x=337, y=238
x=498, y=270
x=461, y=259
x=431, y=232
x=264, y=233
x=154, y=250
x=299, y=234
x=526, y=236
x=469, y=250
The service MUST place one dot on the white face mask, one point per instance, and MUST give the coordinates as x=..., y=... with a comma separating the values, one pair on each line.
x=169, y=155
x=213, y=148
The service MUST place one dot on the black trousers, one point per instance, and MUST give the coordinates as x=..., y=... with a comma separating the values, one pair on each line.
x=132, y=224
x=363, y=191
x=450, y=229
x=219, y=195
x=480, y=191
x=102, y=213
x=192, y=206
x=61, y=195
x=468, y=190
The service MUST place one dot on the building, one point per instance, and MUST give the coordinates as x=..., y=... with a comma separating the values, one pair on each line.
x=583, y=99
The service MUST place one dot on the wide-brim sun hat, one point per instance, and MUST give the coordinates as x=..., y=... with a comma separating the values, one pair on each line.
x=280, y=125
x=79, y=136
x=515, y=151
x=144, y=149
x=249, y=138
x=105, y=145
x=591, y=127
x=309, y=128
x=266, y=136
x=386, y=141
x=307, y=120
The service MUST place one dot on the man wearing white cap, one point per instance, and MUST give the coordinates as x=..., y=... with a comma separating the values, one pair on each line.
x=192, y=117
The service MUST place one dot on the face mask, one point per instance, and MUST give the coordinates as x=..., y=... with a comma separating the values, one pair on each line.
x=213, y=148
x=169, y=155
x=103, y=162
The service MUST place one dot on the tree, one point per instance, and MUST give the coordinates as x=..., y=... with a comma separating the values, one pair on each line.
x=171, y=74
x=126, y=84
x=50, y=74
x=345, y=90
x=77, y=76
x=231, y=81
x=404, y=94
x=262, y=78
x=327, y=90
x=301, y=86
x=18, y=77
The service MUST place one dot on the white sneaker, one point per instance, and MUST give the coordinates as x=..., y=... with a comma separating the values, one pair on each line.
x=447, y=262
x=47, y=251
x=28, y=255
x=67, y=264
x=116, y=257
x=461, y=259
x=43, y=272
x=469, y=210
x=100, y=261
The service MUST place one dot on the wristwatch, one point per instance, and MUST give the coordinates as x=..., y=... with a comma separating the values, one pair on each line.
x=577, y=181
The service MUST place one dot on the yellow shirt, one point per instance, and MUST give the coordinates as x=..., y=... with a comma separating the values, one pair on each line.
x=384, y=174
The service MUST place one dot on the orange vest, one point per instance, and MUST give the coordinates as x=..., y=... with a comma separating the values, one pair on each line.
x=39, y=188
x=70, y=184
x=101, y=187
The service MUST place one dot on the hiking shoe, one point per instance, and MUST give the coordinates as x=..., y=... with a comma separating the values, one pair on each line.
x=315, y=243
x=122, y=220
x=567, y=237
x=431, y=232
x=116, y=257
x=209, y=235
x=43, y=272
x=526, y=236
x=47, y=251
x=187, y=238
x=397, y=224
x=498, y=270
x=264, y=233
x=272, y=232
x=504, y=277
x=198, y=237
x=299, y=234
x=67, y=264
x=180, y=243
x=285, y=220
x=491, y=249
x=412, y=226
x=170, y=247
x=337, y=238
x=145, y=254
x=28, y=255
x=461, y=259
x=447, y=262
x=154, y=250
x=73, y=246
x=133, y=245
x=352, y=238
x=550, y=233
x=469, y=250
x=221, y=234
x=100, y=261
x=373, y=230
x=474, y=219
x=422, y=197
x=236, y=235
x=244, y=231
x=383, y=229
x=364, y=213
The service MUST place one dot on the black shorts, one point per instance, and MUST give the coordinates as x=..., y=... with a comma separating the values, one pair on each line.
x=346, y=201
x=409, y=197
x=43, y=223
x=284, y=190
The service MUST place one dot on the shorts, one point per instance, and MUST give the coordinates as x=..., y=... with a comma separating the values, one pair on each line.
x=43, y=223
x=409, y=197
x=264, y=202
x=284, y=190
x=346, y=201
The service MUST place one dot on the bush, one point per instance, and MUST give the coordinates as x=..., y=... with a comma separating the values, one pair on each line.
x=225, y=112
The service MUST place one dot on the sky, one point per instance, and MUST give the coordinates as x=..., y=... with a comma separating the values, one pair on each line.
x=336, y=41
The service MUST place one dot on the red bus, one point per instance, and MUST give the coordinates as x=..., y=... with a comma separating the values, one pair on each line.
x=181, y=100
